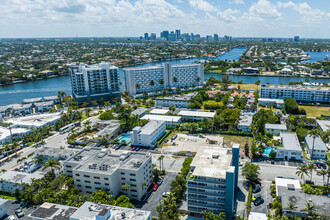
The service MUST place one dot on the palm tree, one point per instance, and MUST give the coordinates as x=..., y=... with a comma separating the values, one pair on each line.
x=152, y=83
x=292, y=205
x=164, y=92
x=87, y=123
x=53, y=164
x=126, y=187
x=144, y=185
x=314, y=134
x=310, y=209
x=311, y=167
x=186, y=87
x=301, y=171
x=178, y=89
x=107, y=104
x=175, y=79
x=87, y=111
x=257, y=83
x=145, y=94
x=137, y=86
x=328, y=171
x=161, y=81
x=60, y=95
x=198, y=79
x=322, y=172
x=161, y=163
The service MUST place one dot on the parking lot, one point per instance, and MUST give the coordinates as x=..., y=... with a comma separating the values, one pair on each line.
x=266, y=195
x=11, y=206
x=156, y=196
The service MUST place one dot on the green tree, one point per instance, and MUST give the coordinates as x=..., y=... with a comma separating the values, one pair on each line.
x=161, y=162
x=152, y=82
x=161, y=81
x=53, y=164
x=137, y=86
x=212, y=216
x=310, y=208
x=104, y=141
x=251, y=172
x=322, y=172
x=301, y=171
x=314, y=134
x=126, y=187
x=172, y=108
x=257, y=83
x=311, y=167
x=175, y=79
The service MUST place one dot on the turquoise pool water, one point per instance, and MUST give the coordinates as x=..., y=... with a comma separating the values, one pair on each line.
x=268, y=150
x=124, y=138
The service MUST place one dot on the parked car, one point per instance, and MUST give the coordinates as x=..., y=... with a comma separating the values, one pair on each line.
x=19, y=213
x=165, y=194
x=137, y=148
x=159, y=181
x=256, y=189
x=256, y=197
x=259, y=202
x=133, y=148
x=12, y=217
x=155, y=187
x=118, y=146
x=309, y=182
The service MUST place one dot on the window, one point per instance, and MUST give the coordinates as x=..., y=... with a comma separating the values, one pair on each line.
x=77, y=174
x=133, y=185
x=78, y=180
x=96, y=177
x=132, y=174
x=87, y=176
x=107, y=184
x=88, y=187
x=132, y=180
x=86, y=181
x=123, y=178
x=79, y=185
x=106, y=178
x=98, y=183
x=122, y=173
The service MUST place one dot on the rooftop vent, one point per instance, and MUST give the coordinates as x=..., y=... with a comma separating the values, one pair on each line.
x=77, y=157
x=92, y=166
x=104, y=167
x=137, y=164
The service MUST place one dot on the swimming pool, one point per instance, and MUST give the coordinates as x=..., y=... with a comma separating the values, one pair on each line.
x=268, y=150
x=123, y=137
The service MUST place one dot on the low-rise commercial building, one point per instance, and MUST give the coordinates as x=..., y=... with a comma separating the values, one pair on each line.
x=324, y=125
x=34, y=121
x=169, y=120
x=12, y=180
x=316, y=148
x=88, y=210
x=196, y=115
x=53, y=153
x=158, y=111
x=108, y=129
x=140, y=112
x=179, y=101
x=6, y=134
x=20, y=109
x=55, y=99
x=299, y=93
x=32, y=101
x=245, y=121
x=291, y=149
x=279, y=103
x=44, y=106
x=3, y=208
x=286, y=182
x=148, y=135
x=93, y=169
x=212, y=180
x=275, y=129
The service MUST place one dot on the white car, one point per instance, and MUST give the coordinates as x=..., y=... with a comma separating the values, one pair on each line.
x=165, y=194
x=12, y=217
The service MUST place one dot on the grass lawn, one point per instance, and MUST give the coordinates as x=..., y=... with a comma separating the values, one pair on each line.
x=246, y=86
x=208, y=101
x=316, y=111
x=215, y=71
x=237, y=139
x=6, y=195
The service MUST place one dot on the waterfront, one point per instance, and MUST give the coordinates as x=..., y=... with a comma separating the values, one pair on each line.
x=17, y=92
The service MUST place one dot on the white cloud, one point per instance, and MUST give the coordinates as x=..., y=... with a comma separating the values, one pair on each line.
x=309, y=15
x=264, y=9
x=202, y=5
x=228, y=15
x=238, y=2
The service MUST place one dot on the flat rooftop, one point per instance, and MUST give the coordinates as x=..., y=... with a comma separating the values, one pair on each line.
x=54, y=152
x=158, y=111
x=34, y=120
x=197, y=114
x=151, y=127
x=270, y=100
x=212, y=162
x=245, y=119
x=51, y=97
x=53, y=211
x=285, y=182
x=139, y=111
x=324, y=124
x=32, y=100
x=296, y=87
x=299, y=198
x=290, y=141
x=318, y=143
x=167, y=118
x=102, y=161
x=276, y=126
x=47, y=103
x=90, y=210
x=185, y=97
x=20, y=177
x=5, y=132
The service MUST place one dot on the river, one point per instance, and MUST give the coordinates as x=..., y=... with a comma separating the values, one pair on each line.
x=17, y=92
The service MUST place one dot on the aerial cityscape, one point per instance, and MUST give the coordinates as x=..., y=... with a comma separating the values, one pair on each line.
x=165, y=109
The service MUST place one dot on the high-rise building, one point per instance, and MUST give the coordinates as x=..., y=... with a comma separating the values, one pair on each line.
x=192, y=36
x=209, y=38
x=197, y=37
x=93, y=169
x=216, y=37
x=212, y=180
x=296, y=39
x=146, y=36
x=178, y=34
x=94, y=81
x=153, y=36
x=164, y=35
x=172, y=36
x=138, y=80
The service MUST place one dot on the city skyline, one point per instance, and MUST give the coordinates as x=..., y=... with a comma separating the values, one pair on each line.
x=124, y=18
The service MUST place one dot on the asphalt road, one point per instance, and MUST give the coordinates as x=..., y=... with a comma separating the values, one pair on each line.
x=266, y=195
x=156, y=197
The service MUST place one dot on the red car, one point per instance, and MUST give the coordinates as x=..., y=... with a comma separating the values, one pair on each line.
x=133, y=148
x=155, y=187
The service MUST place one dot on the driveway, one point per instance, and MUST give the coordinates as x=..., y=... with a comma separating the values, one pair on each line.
x=156, y=196
x=266, y=195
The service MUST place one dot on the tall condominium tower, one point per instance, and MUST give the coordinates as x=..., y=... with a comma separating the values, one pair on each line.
x=94, y=81
x=138, y=80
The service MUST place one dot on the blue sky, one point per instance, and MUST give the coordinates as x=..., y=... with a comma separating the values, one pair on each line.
x=114, y=18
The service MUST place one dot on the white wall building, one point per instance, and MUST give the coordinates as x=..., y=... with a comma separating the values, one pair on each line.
x=275, y=129
x=148, y=135
x=324, y=125
x=3, y=208
x=176, y=100
x=320, y=149
x=20, y=109
x=44, y=106
x=93, y=169
x=291, y=149
x=299, y=93
x=34, y=121
x=245, y=122
x=279, y=103
x=169, y=119
x=138, y=80
x=94, y=82
x=12, y=180
x=196, y=115
x=5, y=135
x=158, y=111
